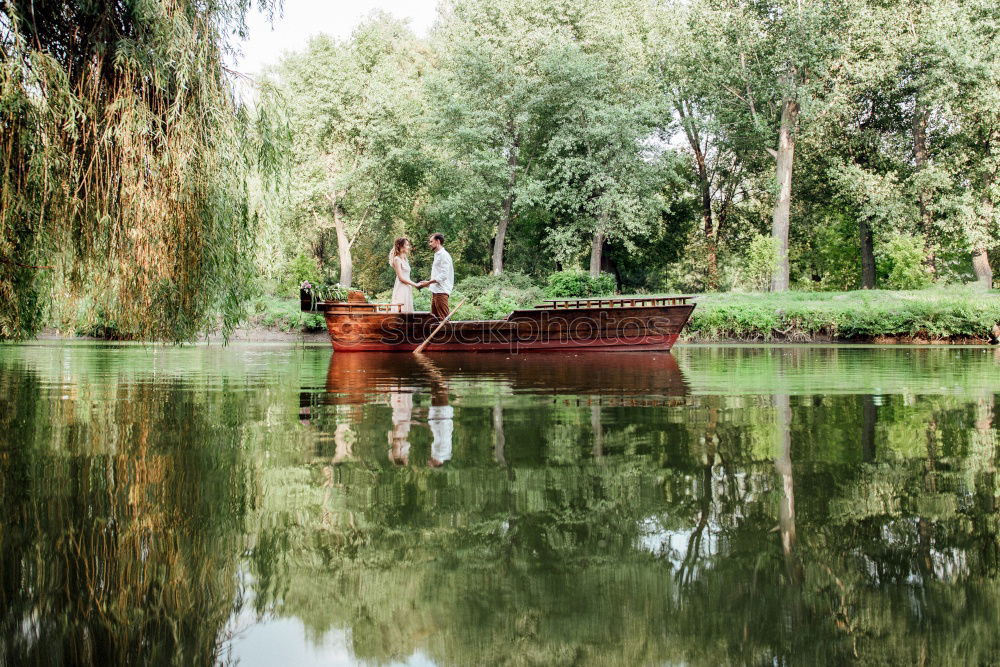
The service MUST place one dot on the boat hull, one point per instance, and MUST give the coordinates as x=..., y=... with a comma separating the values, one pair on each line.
x=357, y=378
x=642, y=328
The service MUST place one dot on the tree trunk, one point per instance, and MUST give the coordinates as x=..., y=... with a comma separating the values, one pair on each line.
x=712, y=259
x=704, y=187
x=499, y=239
x=706, y=220
x=508, y=207
x=981, y=265
x=783, y=465
x=869, y=420
x=343, y=250
x=782, y=207
x=867, y=255
x=499, y=441
x=319, y=248
x=596, y=248
x=921, y=156
x=597, y=429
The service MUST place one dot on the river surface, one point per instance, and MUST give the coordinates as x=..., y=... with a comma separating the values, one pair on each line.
x=281, y=505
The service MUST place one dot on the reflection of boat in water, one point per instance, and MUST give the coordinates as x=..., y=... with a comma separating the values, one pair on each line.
x=355, y=378
x=429, y=392
x=642, y=323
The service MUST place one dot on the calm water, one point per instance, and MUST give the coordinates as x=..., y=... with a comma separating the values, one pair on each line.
x=277, y=505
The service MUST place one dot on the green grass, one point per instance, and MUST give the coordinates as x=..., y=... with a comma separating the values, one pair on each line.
x=932, y=314
x=284, y=314
x=938, y=314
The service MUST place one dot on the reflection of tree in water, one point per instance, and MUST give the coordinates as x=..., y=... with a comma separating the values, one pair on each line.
x=737, y=529
x=568, y=528
x=123, y=528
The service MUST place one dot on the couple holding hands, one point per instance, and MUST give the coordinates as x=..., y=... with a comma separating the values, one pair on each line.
x=441, y=282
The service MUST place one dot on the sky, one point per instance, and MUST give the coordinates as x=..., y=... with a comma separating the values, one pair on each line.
x=301, y=19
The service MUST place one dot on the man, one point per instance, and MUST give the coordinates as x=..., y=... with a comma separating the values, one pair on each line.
x=440, y=417
x=442, y=277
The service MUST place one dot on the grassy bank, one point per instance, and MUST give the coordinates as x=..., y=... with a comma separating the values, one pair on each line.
x=955, y=314
x=279, y=314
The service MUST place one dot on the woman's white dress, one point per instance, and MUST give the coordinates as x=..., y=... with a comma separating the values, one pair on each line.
x=401, y=292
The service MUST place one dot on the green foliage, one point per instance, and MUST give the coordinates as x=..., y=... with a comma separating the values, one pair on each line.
x=760, y=262
x=421, y=299
x=330, y=291
x=689, y=272
x=126, y=167
x=603, y=285
x=494, y=297
x=285, y=314
x=355, y=107
x=506, y=280
x=956, y=313
x=540, y=111
x=828, y=259
x=568, y=283
x=300, y=269
x=902, y=258
x=579, y=283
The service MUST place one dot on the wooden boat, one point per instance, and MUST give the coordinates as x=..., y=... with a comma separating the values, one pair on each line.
x=620, y=324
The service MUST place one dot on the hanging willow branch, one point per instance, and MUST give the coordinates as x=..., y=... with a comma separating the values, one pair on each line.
x=124, y=166
x=24, y=266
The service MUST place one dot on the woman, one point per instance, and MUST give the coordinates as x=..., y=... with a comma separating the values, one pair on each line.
x=401, y=401
x=402, y=290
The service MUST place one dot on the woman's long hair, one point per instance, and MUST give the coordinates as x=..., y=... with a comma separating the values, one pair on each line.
x=397, y=248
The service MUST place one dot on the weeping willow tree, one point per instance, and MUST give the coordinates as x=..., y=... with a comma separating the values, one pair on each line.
x=125, y=159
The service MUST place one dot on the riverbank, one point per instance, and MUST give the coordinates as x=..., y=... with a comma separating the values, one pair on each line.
x=956, y=315
x=945, y=315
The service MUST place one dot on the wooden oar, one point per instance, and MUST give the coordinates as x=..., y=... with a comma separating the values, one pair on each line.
x=420, y=348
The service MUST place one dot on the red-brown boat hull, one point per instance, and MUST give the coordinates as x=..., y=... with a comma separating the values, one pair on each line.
x=640, y=328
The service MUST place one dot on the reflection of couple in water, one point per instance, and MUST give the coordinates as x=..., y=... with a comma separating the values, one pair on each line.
x=439, y=418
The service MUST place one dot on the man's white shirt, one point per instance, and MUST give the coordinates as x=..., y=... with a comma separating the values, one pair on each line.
x=443, y=271
x=441, y=420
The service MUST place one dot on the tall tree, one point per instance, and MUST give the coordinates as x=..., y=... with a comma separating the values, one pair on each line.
x=486, y=107
x=978, y=109
x=765, y=60
x=355, y=108
x=601, y=165
x=949, y=69
x=715, y=154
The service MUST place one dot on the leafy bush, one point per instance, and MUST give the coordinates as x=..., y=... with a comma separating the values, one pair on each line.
x=576, y=283
x=902, y=257
x=489, y=297
x=493, y=297
x=866, y=314
x=286, y=315
x=421, y=298
x=603, y=285
x=568, y=283
x=299, y=270
x=760, y=262
x=497, y=302
x=689, y=273
x=483, y=283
